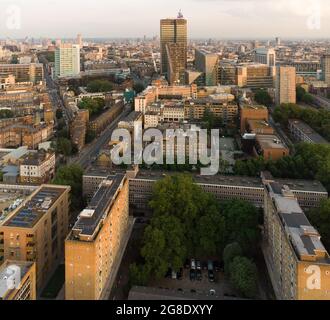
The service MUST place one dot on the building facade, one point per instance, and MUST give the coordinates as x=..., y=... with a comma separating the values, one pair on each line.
x=285, y=85
x=36, y=231
x=208, y=64
x=298, y=263
x=67, y=60
x=93, y=248
x=173, y=42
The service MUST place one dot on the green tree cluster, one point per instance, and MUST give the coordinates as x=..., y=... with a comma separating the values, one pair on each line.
x=211, y=121
x=262, y=97
x=311, y=161
x=99, y=86
x=241, y=271
x=72, y=176
x=188, y=221
x=304, y=96
x=95, y=106
x=319, y=120
x=6, y=114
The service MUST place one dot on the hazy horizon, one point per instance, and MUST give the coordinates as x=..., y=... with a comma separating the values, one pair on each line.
x=218, y=19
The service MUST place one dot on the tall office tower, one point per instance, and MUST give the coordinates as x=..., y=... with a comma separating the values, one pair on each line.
x=67, y=60
x=278, y=41
x=208, y=64
x=297, y=261
x=326, y=68
x=79, y=40
x=285, y=85
x=94, y=248
x=36, y=231
x=174, y=43
x=265, y=56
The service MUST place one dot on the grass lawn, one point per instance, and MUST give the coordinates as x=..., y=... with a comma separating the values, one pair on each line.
x=55, y=283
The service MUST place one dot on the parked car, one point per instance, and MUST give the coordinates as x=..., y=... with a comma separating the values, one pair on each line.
x=198, y=265
x=174, y=275
x=187, y=264
x=192, y=275
x=210, y=266
x=193, y=264
x=211, y=276
x=199, y=275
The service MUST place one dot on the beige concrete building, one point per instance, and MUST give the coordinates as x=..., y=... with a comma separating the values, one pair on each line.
x=298, y=263
x=285, y=85
x=208, y=64
x=94, y=247
x=23, y=275
x=35, y=232
x=195, y=109
x=32, y=72
x=326, y=68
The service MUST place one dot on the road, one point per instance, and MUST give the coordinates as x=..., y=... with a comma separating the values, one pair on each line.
x=53, y=91
x=88, y=155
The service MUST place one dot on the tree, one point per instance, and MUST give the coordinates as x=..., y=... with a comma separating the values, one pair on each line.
x=71, y=175
x=320, y=219
x=59, y=114
x=6, y=114
x=242, y=224
x=231, y=251
x=263, y=97
x=164, y=245
x=308, y=98
x=138, y=275
x=243, y=276
x=64, y=146
x=211, y=232
x=94, y=105
x=138, y=87
x=300, y=93
x=99, y=86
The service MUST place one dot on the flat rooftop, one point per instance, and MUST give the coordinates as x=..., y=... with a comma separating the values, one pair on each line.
x=254, y=107
x=28, y=215
x=270, y=141
x=89, y=219
x=213, y=180
x=307, y=130
x=24, y=268
x=304, y=238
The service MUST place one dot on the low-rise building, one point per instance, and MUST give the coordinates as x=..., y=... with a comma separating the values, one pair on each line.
x=252, y=112
x=37, y=167
x=270, y=147
x=302, y=132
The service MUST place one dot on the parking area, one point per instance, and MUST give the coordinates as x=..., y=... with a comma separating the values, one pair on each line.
x=220, y=287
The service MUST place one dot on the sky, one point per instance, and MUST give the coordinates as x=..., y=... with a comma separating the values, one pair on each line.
x=218, y=19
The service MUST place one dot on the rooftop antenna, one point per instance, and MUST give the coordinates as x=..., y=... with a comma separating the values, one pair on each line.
x=180, y=15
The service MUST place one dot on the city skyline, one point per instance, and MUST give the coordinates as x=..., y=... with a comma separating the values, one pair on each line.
x=219, y=19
